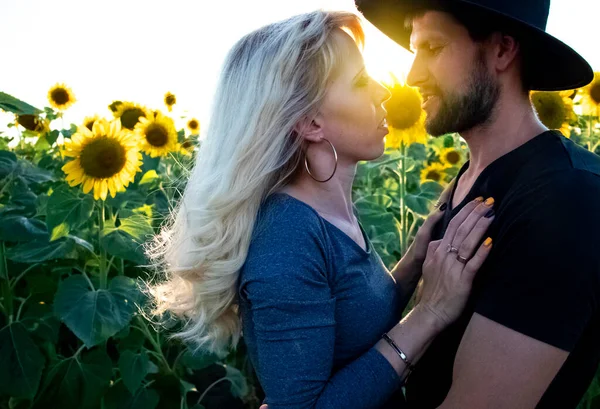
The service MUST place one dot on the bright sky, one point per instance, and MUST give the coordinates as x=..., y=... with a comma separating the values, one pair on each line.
x=138, y=50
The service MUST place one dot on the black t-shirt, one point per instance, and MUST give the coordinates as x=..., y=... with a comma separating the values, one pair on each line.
x=542, y=275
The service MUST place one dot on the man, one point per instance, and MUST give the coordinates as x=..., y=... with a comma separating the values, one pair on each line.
x=530, y=335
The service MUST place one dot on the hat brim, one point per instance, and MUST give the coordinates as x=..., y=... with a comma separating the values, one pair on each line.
x=554, y=65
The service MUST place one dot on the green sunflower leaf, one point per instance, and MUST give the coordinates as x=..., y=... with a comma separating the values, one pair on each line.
x=421, y=202
x=80, y=381
x=20, y=228
x=96, y=315
x=134, y=368
x=41, y=250
x=8, y=163
x=126, y=240
x=67, y=211
x=21, y=363
x=15, y=105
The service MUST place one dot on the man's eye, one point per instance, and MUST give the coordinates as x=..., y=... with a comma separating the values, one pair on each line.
x=434, y=49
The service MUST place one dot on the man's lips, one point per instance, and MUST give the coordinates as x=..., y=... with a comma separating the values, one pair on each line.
x=427, y=99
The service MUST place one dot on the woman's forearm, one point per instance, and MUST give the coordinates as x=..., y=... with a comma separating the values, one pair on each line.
x=407, y=274
x=412, y=335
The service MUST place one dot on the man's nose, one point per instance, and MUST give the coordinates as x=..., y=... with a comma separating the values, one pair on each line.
x=418, y=73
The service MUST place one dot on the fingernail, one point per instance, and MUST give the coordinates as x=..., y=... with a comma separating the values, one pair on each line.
x=443, y=207
x=489, y=201
x=487, y=242
x=479, y=199
x=490, y=214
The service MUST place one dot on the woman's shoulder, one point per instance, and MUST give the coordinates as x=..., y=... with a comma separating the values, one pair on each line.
x=287, y=233
x=282, y=214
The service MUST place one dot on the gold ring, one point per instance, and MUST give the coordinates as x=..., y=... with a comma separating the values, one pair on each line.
x=461, y=258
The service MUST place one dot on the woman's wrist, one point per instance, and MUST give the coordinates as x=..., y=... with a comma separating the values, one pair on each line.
x=412, y=335
x=429, y=319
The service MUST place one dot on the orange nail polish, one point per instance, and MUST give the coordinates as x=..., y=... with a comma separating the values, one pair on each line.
x=487, y=242
x=479, y=199
x=489, y=201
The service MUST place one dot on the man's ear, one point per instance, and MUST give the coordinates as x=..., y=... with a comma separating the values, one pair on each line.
x=310, y=128
x=506, y=50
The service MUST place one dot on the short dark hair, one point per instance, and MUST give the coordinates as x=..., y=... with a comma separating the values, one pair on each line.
x=479, y=24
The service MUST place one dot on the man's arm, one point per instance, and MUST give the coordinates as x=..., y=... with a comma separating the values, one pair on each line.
x=497, y=367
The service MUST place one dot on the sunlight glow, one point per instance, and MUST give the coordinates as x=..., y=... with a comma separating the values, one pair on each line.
x=139, y=50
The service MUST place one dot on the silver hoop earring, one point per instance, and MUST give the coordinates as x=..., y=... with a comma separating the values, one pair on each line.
x=334, y=168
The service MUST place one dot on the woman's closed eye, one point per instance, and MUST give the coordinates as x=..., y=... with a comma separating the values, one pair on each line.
x=363, y=81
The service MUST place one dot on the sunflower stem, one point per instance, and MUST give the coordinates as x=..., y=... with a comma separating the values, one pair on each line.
x=403, y=215
x=591, y=127
x=6, y=294
x=103, y=270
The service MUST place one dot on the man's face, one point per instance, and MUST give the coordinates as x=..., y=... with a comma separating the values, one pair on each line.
x=459, y=91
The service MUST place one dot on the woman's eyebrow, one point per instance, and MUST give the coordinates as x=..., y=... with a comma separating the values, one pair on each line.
x=359, y=72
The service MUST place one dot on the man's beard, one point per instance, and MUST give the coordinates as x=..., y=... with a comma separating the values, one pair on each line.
x=459, y=113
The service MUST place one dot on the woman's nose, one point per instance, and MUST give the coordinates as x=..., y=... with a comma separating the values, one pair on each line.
x=383, y=93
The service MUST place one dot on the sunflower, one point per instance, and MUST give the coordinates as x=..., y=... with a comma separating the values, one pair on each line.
x=114, y=106
x=405, y=118
x=194, y=126
x=170, y=100
x=157, y=135
x=435, y=172
x=187, y=146
x=591, y=96
x=450, y=157
x=554, y=109
x=106, y=158
x=61, y=97
x=88, y=121
x=34, y=123
x=130, y=114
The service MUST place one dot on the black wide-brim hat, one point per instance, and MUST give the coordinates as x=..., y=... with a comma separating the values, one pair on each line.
x=551, y=64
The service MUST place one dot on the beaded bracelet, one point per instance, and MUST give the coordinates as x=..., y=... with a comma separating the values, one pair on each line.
x=401, y=354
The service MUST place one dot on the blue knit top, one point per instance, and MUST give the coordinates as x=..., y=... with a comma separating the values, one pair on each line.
x=313, y=304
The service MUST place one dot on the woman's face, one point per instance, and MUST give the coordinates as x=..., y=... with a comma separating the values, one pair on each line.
x=352, y=116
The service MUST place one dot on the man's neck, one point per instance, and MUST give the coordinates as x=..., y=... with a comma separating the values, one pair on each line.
x=513, y=123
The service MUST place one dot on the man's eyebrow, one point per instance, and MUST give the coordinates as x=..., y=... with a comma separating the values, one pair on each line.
x=435, y=38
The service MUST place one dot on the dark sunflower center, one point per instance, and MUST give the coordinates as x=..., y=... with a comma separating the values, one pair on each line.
x=114, y=106
x=453, y=157
x=157, y=135
x=60, y=96
x=103, y=158
x=170, y=100
x=193, y=124
x=404, y=108
x=595, y=93
x=434, y=175
x=28, y=122
x=551, y=109
x=131, y=117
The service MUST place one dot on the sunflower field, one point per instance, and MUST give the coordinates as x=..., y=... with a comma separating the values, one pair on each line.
x=78, y=203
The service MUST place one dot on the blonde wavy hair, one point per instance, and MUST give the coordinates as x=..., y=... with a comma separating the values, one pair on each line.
x=272, y=78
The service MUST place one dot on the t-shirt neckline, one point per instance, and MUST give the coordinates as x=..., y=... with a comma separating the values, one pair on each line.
x=530, y=144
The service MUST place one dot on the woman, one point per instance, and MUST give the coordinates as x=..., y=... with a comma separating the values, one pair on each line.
x=264, y=238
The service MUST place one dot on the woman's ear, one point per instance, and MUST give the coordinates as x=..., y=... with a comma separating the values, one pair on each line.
x=310, y=129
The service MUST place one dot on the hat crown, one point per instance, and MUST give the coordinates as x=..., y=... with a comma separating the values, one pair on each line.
x=532, y=12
